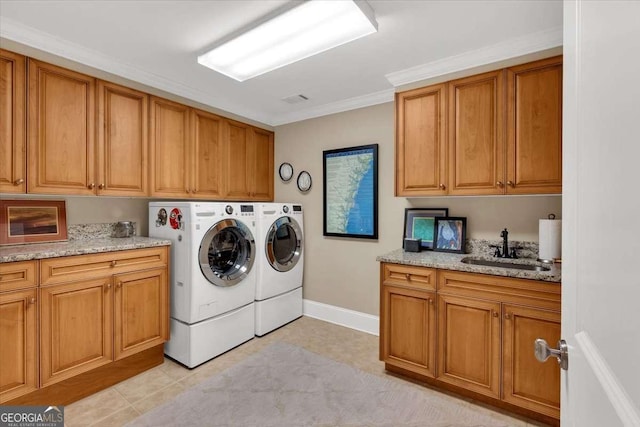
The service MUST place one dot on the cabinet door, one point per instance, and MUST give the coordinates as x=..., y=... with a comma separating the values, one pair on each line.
x=261, y=157
x=408, y=329
x=141, y=311
x=469, y=344
x=12, y=123
x=18, y=351
x=61, y=131
x=76, y=329
x=238, y=161
x=122, y=141
x=534, y=127
x=476, y=134
x=527, y=382
x=421, y=155
x=208, y=154
x=169, y=148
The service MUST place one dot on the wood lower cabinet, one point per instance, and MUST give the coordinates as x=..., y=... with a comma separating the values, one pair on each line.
x=526, y=381
x=71, y=326
x=76, y=329
x=408, y=322
x=141, y=311
x=61, y=149
x=13, y=166
x=18, y=349
x=469, y=343
x=486, y=328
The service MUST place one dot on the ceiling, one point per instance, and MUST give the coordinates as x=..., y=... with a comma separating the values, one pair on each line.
x=156, y=43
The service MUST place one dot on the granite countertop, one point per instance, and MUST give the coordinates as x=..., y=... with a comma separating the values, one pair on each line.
x=76, y=247
x=449, y=261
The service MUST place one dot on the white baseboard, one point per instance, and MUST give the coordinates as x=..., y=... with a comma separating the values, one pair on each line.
x=342, y=316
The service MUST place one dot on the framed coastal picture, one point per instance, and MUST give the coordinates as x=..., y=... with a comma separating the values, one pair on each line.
x=419, y=223
x=32, y=221
x=350, y=192
x=450, y=234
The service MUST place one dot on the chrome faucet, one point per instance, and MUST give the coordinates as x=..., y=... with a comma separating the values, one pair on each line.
x=505, y=247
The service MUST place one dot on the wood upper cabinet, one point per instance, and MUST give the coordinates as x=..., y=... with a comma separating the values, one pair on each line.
x=18, y=349
x=61, y=131
x=76, y=328
x=469, y=343
x=121, y=157
x=421, y=154
x=476, y=134
x=12, y=123
x=141, y=311
x=534, y=127
x=208, y=153
x=169, y=148
x=249, y=162
x=526, y=381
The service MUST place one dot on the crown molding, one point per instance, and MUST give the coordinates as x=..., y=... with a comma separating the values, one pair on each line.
x=34, y=38
x=368, y=100
x=519, y=46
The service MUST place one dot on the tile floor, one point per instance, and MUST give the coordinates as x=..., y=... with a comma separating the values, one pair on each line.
x=125, y=401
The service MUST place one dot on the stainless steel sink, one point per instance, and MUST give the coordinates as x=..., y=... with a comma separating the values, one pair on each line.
x=503, y=264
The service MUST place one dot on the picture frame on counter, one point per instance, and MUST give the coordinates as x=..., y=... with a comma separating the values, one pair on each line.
x=450, y=234
x=419, y=223
x=32, y=221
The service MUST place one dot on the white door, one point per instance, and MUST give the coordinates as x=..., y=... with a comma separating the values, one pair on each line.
x=601, y=213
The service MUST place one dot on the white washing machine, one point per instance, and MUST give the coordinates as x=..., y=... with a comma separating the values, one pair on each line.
x=213, y=276
x=279, y=265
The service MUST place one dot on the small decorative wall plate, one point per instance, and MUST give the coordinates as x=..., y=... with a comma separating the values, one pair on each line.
x=304, y=181
x=285, y=171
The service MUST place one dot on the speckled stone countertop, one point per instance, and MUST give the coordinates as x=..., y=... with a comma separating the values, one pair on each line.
x=76, y=247
x=449, y=261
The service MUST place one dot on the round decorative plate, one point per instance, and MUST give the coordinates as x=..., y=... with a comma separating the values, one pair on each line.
x=304, y=181
x=285, y=171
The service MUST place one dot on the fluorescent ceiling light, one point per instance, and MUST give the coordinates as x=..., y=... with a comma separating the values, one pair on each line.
x=302, y=31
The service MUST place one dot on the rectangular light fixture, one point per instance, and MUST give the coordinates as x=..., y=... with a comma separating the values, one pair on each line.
x=297, y=33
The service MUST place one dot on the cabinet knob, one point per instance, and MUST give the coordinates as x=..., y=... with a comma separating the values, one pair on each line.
x=431, y=301
x=188, y=191
x=408, y=276
x=32, y=301
x=119, y=285
x=500, y=184
x=494, y=313
x=194, y=191
x=510, y=184
x=91, y=186
x=442, y=186
x=18, y=181
x=114, y=263
x=107, y=286
x=507, y=316
x=101, y=186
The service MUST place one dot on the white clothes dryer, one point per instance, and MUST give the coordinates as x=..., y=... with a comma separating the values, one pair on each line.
x=279, y=265
x=213, y=276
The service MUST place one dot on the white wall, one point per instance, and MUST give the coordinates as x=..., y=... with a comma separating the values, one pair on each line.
x=343, y=272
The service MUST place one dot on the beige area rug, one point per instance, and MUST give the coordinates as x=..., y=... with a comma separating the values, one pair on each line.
x=284, y=385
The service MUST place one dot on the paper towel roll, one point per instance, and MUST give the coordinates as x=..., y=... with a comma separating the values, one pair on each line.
x=550, y=239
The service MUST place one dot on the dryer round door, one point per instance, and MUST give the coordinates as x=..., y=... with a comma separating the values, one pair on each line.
x=283, y=245
x=227, y=252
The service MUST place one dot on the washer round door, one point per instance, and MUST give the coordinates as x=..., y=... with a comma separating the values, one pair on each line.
x=283, y=245
x=227, y=252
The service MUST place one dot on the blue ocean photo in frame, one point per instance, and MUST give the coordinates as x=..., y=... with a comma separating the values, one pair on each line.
x=350, y=192
x=419, y=223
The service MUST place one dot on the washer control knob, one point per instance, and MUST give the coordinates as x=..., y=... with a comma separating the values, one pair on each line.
x=285, y=208
x=229, y=209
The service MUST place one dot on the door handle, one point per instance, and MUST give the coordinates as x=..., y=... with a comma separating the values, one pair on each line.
x=543, y=352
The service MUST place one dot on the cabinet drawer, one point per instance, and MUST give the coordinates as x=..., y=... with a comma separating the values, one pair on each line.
x=17, y=275
x=80, y=267
x=409, y=276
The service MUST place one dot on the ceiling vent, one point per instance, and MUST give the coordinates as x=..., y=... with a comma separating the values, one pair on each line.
x=294, y=99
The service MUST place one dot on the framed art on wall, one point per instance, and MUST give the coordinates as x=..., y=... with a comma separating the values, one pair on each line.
x=350, y=192
x=32, y=221
x=450, y=234
x=419, y=223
